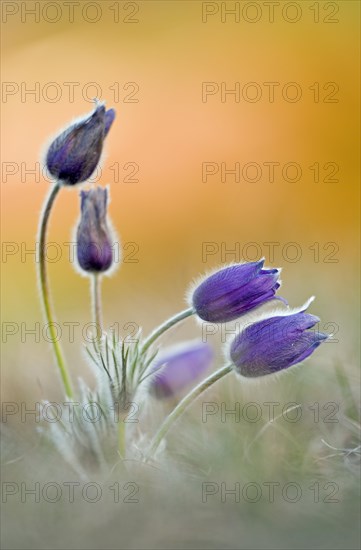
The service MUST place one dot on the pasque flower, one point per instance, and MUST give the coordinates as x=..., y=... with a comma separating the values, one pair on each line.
x=93, y=239
x=275, y=343
x=230, y=292
x=74, y=155
x=178, y=367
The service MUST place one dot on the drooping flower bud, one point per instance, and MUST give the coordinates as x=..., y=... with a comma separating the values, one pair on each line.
x=275, y=343
x=230, y=292
x=74, y=155
x=178, y=367
x=93, y=239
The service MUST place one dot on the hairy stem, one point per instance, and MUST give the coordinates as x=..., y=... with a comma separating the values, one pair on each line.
x=166, y=326
x=45, y=290
x=97, y=304
x=183, y=405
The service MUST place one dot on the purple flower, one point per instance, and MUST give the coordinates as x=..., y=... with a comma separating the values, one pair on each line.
x=179, y=367
x=94, y=242
x=234, y=290
x=275, y=343
x=75, y=153
x=109, y=119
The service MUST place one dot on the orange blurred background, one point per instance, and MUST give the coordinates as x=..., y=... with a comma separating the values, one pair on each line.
x=167, y=52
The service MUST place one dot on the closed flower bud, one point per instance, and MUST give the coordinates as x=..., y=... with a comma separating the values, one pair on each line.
x=179, y=367
x=93, y=238
x=230, y=292
x=75, y=153
x=275, y=343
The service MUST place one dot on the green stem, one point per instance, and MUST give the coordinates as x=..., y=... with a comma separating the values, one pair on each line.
x=182, y=406
x=97, y=305
x=164, y=327
x=45, y=290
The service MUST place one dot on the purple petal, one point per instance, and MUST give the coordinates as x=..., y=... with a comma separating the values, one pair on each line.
x=109, y=119
x=231, y=292
x=275, y=344
x=310, y=345
x=74, y=155
x=94, y=243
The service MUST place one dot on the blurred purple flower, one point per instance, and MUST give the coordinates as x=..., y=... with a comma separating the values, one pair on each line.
x=179, y=367
x=234, y=290
x=74, y=155
x=275, y=343
x=94, y=242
